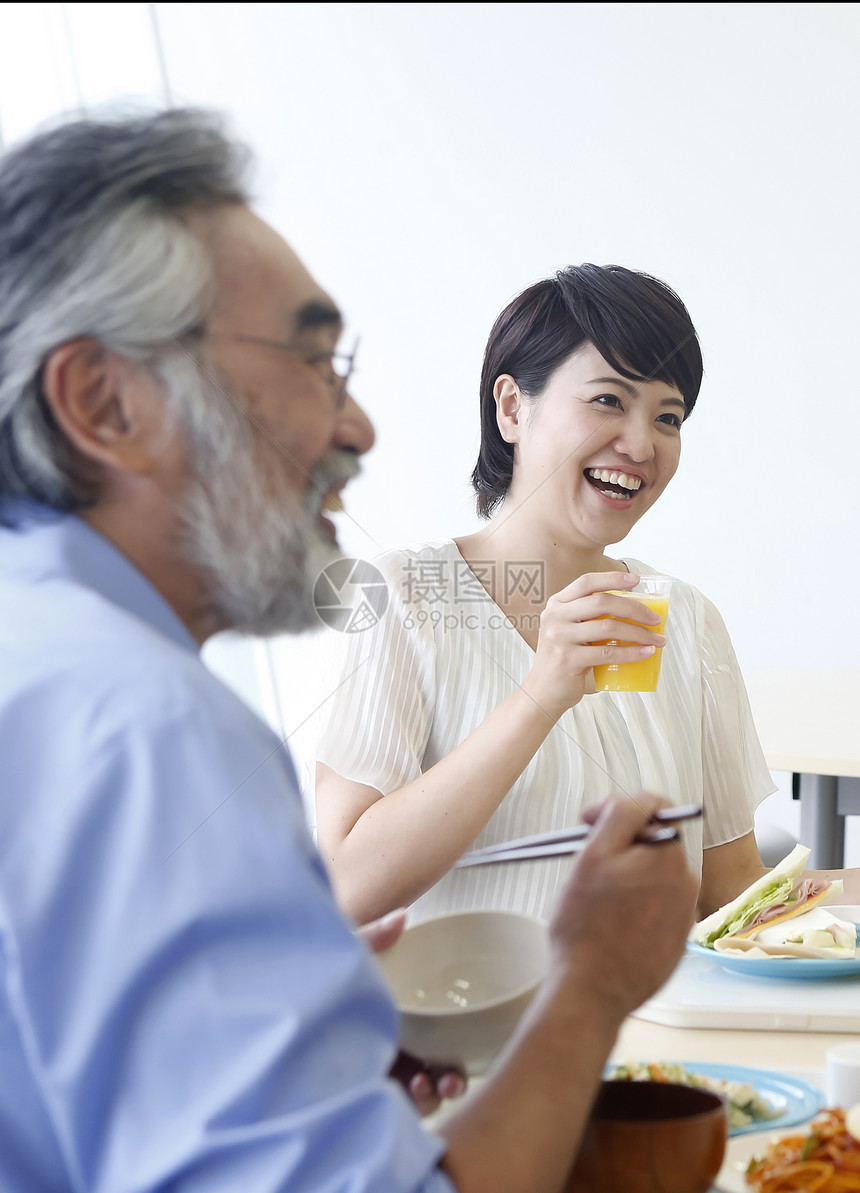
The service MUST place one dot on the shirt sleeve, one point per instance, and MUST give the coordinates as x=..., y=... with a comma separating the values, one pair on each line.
x=378, y=711
x=735, y=775
x=196, y=1013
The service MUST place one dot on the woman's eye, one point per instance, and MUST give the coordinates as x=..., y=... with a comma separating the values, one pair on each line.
x=672, y=420
x=609, y=400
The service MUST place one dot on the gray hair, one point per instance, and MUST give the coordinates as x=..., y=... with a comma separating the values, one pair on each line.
x=94, y=242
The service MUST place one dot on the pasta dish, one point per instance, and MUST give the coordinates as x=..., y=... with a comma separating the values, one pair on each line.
x=825, y=1159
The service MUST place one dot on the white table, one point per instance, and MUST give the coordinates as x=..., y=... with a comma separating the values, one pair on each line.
x=808, y=721
x=641, y=1040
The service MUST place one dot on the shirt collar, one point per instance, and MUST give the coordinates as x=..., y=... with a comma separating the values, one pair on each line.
x=42, y=543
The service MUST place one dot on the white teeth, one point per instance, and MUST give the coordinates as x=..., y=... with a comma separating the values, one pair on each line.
x=615, y=478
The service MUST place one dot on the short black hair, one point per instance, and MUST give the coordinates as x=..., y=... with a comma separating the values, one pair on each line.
x=637, y=323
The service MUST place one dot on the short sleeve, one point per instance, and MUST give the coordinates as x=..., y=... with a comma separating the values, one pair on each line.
x=735, y=775
x=376, y=717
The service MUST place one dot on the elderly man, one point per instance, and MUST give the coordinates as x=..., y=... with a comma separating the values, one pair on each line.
x=182, y=1006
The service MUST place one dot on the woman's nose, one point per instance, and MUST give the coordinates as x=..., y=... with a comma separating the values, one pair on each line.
x=636, y=442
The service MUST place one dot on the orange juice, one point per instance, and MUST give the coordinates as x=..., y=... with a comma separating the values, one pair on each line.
x=642, y=675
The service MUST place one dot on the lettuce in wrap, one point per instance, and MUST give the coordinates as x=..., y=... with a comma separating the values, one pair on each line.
x=777, y=896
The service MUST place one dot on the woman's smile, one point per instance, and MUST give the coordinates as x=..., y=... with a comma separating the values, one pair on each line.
x=614, y=484
x=596, y=444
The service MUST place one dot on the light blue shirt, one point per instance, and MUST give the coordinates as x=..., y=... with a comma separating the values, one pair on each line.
x=182, y=1006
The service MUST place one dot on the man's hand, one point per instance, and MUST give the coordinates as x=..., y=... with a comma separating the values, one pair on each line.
x=622, y=919
x=381, y=934
x=427, y=1085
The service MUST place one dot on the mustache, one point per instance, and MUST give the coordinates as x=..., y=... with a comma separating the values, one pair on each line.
x=334, y=469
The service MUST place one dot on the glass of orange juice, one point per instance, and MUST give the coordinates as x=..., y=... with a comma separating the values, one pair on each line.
x=642, y=675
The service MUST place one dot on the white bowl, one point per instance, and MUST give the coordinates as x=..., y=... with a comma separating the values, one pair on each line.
x=462, y=981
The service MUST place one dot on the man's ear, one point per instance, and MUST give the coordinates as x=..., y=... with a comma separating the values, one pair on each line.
x=509, y=404
x=103, y=404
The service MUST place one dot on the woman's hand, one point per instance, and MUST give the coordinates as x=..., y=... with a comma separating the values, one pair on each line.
x=427, y=1085
x=574, y=624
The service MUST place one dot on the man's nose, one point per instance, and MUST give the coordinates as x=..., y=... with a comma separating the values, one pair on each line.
x=354, y=430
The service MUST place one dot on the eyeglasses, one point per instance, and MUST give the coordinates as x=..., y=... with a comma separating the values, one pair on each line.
x=341, y=364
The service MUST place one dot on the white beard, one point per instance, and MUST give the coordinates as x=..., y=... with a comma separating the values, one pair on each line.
x=262, y=543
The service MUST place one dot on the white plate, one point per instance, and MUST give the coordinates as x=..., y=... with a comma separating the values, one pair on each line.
x=732, y=1176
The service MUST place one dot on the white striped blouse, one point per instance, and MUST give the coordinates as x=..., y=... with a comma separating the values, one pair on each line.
x=409, y=689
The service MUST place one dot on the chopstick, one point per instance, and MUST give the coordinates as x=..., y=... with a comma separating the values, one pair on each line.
x=570, y=840
x=550, y=849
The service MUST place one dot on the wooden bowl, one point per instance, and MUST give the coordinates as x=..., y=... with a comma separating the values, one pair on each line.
x=651, y=1137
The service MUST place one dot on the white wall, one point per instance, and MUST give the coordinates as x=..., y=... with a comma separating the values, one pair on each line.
x=60, y=58
x=430, y=160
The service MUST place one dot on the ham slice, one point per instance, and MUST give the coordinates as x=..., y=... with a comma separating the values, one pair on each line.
x=804, y=891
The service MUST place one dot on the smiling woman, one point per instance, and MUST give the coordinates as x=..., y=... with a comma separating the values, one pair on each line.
x=468, y=714
x=592, y=454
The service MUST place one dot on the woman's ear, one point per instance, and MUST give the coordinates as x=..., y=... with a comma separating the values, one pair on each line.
x=509, y=405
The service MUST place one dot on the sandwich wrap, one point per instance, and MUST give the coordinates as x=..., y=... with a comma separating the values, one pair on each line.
x=764, y=912
x=815, y=933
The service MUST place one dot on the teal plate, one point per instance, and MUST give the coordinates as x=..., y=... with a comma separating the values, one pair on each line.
x=794, y=1100
x=806, y=969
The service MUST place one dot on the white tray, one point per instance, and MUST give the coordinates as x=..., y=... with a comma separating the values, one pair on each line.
x=701, y=994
